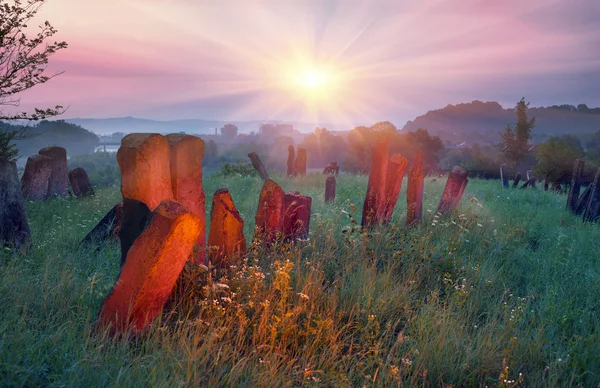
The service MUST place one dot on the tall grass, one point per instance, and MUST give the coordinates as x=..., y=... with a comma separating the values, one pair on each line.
x=505, y=292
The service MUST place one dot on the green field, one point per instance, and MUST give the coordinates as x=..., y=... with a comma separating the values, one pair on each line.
x=505, y=292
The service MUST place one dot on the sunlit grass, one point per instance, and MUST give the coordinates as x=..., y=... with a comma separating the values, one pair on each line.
x=508, y=288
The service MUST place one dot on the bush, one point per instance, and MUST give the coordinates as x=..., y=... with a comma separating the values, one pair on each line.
x=236, y=169
x=101, y=167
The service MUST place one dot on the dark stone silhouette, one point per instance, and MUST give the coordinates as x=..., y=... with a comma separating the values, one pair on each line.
x=136, y=216
x=592, y=211
x=517, y=180
x=107, y=228
x=573, y=198
x=330, y=189
x=14, y=229
x=258, y=165
x=583, y=200
x=34, y=182
x=396, y=169
x=80, y=182
x=58, y=183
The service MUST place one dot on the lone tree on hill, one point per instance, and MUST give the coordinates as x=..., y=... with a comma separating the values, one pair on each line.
x=23, y=62
x=515, y=142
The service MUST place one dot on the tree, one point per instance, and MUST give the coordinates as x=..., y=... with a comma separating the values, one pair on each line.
x=23, y=62
x=555, y=158
x=515, y=142
x=229, y=130
x=593, y=147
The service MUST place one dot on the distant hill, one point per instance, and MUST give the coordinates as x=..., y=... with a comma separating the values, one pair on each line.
x=196, y=126
x=481, y=122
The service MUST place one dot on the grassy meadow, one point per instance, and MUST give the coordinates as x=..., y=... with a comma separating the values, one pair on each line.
x=503, y=293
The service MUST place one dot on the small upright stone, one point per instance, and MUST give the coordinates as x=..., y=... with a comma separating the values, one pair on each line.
x=80, y=182
x=270, y=213
x=226, y=240
x=58, y=183
x=330, y=189
x=14, y=229
x=414, y=192
x=455, y=186
x=150, y=272
x=291, y=166
x=573, y=198
x=374, y=205
x=258, y=165
x=35, y=179
x=301, y=161
x=296, y=220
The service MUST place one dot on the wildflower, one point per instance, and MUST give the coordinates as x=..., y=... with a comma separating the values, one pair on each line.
x=303, y=296
x=478, y=224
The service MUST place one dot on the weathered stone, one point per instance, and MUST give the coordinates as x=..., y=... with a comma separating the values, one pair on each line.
x=258, y=165
x=14, y=229
x=291, y=166
x=529, y=183
x=453, y=189
x=517, y=180
x=270, y=212
x=144, y=160
x=301, y=161
x=58, y=183
x=226, y=240
x=414, y=192
x=503, y=176
x=396, y=169
x=34, y=182
x=583, y=200
x=80, y=183
x=330, y=189
x=153, y=265
x=296, y=220
x=332, y=168
x=573, y=198
x=374, y=206
x=186, y=153
x=107, y=228
x=592, y=211
x=460, y=194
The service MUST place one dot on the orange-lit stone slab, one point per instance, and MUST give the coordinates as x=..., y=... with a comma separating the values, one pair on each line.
x=296, y=220
x=395, y=173
x=414, y=192
x=373, y=208
x=301, y=161
x=153, y=265
x=270, y=212
x=144, y=160
x=226, y=239
x=187, y=152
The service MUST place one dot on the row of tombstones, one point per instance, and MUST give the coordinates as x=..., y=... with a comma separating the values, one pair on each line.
x=45, y=176
x=162, y=223
x=586, y=204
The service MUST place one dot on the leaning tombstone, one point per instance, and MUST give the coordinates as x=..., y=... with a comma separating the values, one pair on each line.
x=226, y=241
x=258, y=165
x=80, y=183
x=592, y=211
x=453, y=190
x=58, y=182
x=150, y=272
x=583, y=200
x=107, y=229
x=517, y=180
x=503, y=176
x=414, y=192
x=14, y=229
x=396, y=169
x=36, y=176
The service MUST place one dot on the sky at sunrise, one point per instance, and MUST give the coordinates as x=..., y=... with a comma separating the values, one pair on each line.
x=343, y=61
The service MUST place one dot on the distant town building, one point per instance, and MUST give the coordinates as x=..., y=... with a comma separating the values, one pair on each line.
x=273, y=130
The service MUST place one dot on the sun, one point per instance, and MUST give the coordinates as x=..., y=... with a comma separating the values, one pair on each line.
x=313, y=78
